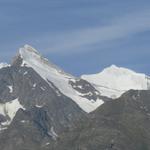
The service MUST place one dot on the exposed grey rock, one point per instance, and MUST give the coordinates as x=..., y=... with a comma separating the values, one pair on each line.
x=45, y=112
x=87, y=90
x=122, y=124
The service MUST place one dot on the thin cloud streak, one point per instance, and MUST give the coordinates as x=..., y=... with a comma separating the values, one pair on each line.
x=124, y=27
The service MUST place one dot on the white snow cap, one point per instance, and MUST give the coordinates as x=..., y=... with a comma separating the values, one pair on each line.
x=114, y=81
x=30, y=48
x=50, y=72
x=3, y=65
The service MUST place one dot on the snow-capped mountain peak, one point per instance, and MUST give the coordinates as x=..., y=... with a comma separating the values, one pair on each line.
x=114, y=81
x=31, y=57
x=68, y=85
x=30, y=48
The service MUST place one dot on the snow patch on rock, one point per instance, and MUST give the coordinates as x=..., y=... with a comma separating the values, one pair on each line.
x=53, y=134
x=10, y=109
x=10, y=88
x=39, y=106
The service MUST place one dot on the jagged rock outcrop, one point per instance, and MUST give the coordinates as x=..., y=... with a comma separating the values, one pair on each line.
x=122, y=124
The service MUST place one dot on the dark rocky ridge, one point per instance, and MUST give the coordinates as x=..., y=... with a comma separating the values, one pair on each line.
x=122, y=124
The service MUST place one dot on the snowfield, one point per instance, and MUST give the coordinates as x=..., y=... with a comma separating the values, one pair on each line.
x=114, y=81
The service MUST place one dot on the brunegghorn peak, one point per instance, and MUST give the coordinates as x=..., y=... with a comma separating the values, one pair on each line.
x=33, y=58
x=28, y=48
x=78, y=90
x=26, y=53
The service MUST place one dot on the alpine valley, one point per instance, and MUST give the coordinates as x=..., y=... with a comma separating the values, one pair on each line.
x=44, y=108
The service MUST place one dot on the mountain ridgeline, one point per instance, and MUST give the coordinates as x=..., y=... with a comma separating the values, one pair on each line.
x=44, y=108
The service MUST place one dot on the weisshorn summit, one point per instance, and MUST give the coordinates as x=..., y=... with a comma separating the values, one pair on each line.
x=44, y=108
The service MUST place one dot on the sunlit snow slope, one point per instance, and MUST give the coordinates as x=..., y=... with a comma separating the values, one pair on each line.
x=114, y=81
x=50, y=72
x=3, y=65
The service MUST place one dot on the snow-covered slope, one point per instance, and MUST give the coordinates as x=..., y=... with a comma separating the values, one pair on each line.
x=50, y=72
x=9, y=109
x=114, y=81
x=3, y=65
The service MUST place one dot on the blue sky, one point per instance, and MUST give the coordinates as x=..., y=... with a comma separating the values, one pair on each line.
x=81, y=36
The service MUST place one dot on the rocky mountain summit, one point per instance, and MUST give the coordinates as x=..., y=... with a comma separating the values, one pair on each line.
x=44, y=108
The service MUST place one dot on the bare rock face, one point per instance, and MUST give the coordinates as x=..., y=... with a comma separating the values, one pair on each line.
x=121, y=124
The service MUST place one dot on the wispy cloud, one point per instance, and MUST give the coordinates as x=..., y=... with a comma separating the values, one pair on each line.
x=80, y=40
x=124, y=27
